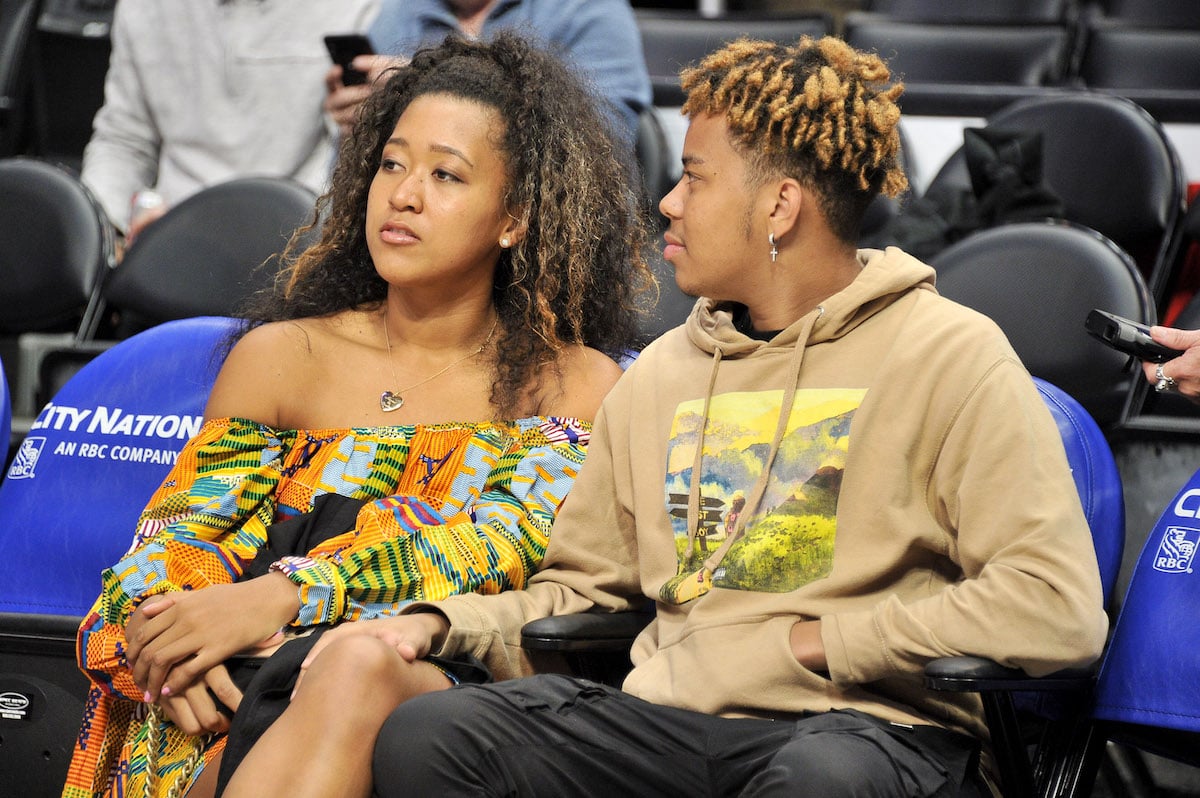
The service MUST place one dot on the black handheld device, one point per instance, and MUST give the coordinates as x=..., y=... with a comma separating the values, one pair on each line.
x=342, y=49
x=1128, y=336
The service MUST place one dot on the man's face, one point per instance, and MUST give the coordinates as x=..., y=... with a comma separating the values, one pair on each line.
x=709, y=241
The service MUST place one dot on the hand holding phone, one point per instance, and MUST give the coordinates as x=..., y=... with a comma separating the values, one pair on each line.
x=1128, y=336
x=343, y=47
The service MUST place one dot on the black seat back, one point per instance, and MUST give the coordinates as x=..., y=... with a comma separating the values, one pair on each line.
x=654, y=159
x=1010, y=55
x=993, y=11
x=17, y=21
x=1157, y=68
x=55, y=246
x=1038, y=281
x=73, y=47
x=211, y=251
x=1112, y=166
x=964, y=69
x=1156, y=13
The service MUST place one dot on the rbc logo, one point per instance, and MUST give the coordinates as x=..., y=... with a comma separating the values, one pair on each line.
x=26, y=458
x=1176, y=550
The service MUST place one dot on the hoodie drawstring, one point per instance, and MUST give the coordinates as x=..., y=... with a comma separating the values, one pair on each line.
x=693, y=509
x=760, y=486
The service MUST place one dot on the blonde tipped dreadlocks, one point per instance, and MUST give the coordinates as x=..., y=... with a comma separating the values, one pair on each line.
x=819, y=111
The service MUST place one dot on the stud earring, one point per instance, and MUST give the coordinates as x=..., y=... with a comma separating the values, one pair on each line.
x=504, y=242
x=774, y=249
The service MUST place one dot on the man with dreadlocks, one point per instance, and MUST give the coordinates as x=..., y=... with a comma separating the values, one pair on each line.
x=906, y=497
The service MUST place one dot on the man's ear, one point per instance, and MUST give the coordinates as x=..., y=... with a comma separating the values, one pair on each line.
x=786, y=200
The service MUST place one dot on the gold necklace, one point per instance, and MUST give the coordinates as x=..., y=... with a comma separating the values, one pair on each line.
x=392, y=400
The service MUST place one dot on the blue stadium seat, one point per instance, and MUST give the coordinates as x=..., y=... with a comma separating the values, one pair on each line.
x=1096, y=478
x=1051, y=706
x=68, y=508
x=5, y=416
x=93, y=457
x=1146, y=696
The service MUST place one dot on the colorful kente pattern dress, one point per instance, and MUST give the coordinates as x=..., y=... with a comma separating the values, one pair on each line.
x=449, y=508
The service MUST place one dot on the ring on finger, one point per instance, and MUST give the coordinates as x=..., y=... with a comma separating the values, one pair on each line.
x=1164, y=383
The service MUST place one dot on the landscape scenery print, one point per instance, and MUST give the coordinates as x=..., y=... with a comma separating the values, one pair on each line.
x=787, y=541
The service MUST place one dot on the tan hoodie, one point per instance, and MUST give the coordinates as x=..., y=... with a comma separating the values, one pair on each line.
x=918, y=502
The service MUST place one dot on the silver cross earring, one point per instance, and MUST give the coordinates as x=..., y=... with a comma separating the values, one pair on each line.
x=774, y=249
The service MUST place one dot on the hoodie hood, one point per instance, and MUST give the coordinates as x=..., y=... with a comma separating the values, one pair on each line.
x=885, y=275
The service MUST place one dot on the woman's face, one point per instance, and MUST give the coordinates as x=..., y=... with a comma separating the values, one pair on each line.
x=435, y=208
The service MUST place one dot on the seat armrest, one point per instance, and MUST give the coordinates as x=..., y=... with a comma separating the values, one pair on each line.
x=32, y=633
x=584, y=631
x=1056, y=697
x=978, y=674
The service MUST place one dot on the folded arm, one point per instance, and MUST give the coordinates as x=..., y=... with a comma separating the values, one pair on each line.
x=1030, y=594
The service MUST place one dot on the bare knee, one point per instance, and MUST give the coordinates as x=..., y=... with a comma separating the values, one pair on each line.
x=357, y=655
x=352, y=666
x=365, y=667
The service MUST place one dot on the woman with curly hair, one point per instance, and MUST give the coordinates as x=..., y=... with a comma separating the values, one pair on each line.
x=400, y=421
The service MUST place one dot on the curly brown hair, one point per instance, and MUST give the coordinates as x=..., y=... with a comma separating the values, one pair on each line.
x=578, y=274
x=818, y=110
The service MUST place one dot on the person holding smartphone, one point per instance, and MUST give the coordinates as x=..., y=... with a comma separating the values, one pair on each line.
x=1180, y=374
x=1170, y=356
x=599, y=37
x=203, y=92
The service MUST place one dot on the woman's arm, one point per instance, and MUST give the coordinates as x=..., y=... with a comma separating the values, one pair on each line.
x=200, y=528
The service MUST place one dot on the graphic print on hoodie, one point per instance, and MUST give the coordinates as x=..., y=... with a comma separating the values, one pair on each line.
x=786, y=541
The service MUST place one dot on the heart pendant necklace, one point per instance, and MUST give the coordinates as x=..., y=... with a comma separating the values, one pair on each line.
x=394, y=400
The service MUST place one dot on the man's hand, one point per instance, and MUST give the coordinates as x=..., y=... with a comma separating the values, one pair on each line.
x=412, y=636
x=199, y=629
x=807, y=646
x=342, y=101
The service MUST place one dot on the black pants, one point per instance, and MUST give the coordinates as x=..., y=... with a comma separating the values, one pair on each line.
x=559, y=736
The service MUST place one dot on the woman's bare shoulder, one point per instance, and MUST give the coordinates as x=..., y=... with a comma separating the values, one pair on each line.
x=267, y=365
x=586, y=377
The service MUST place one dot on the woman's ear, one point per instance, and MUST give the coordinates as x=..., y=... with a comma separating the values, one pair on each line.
x=514, y=230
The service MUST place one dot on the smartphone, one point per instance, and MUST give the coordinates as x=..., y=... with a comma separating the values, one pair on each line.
x=342, y=49
x=1128, y=336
